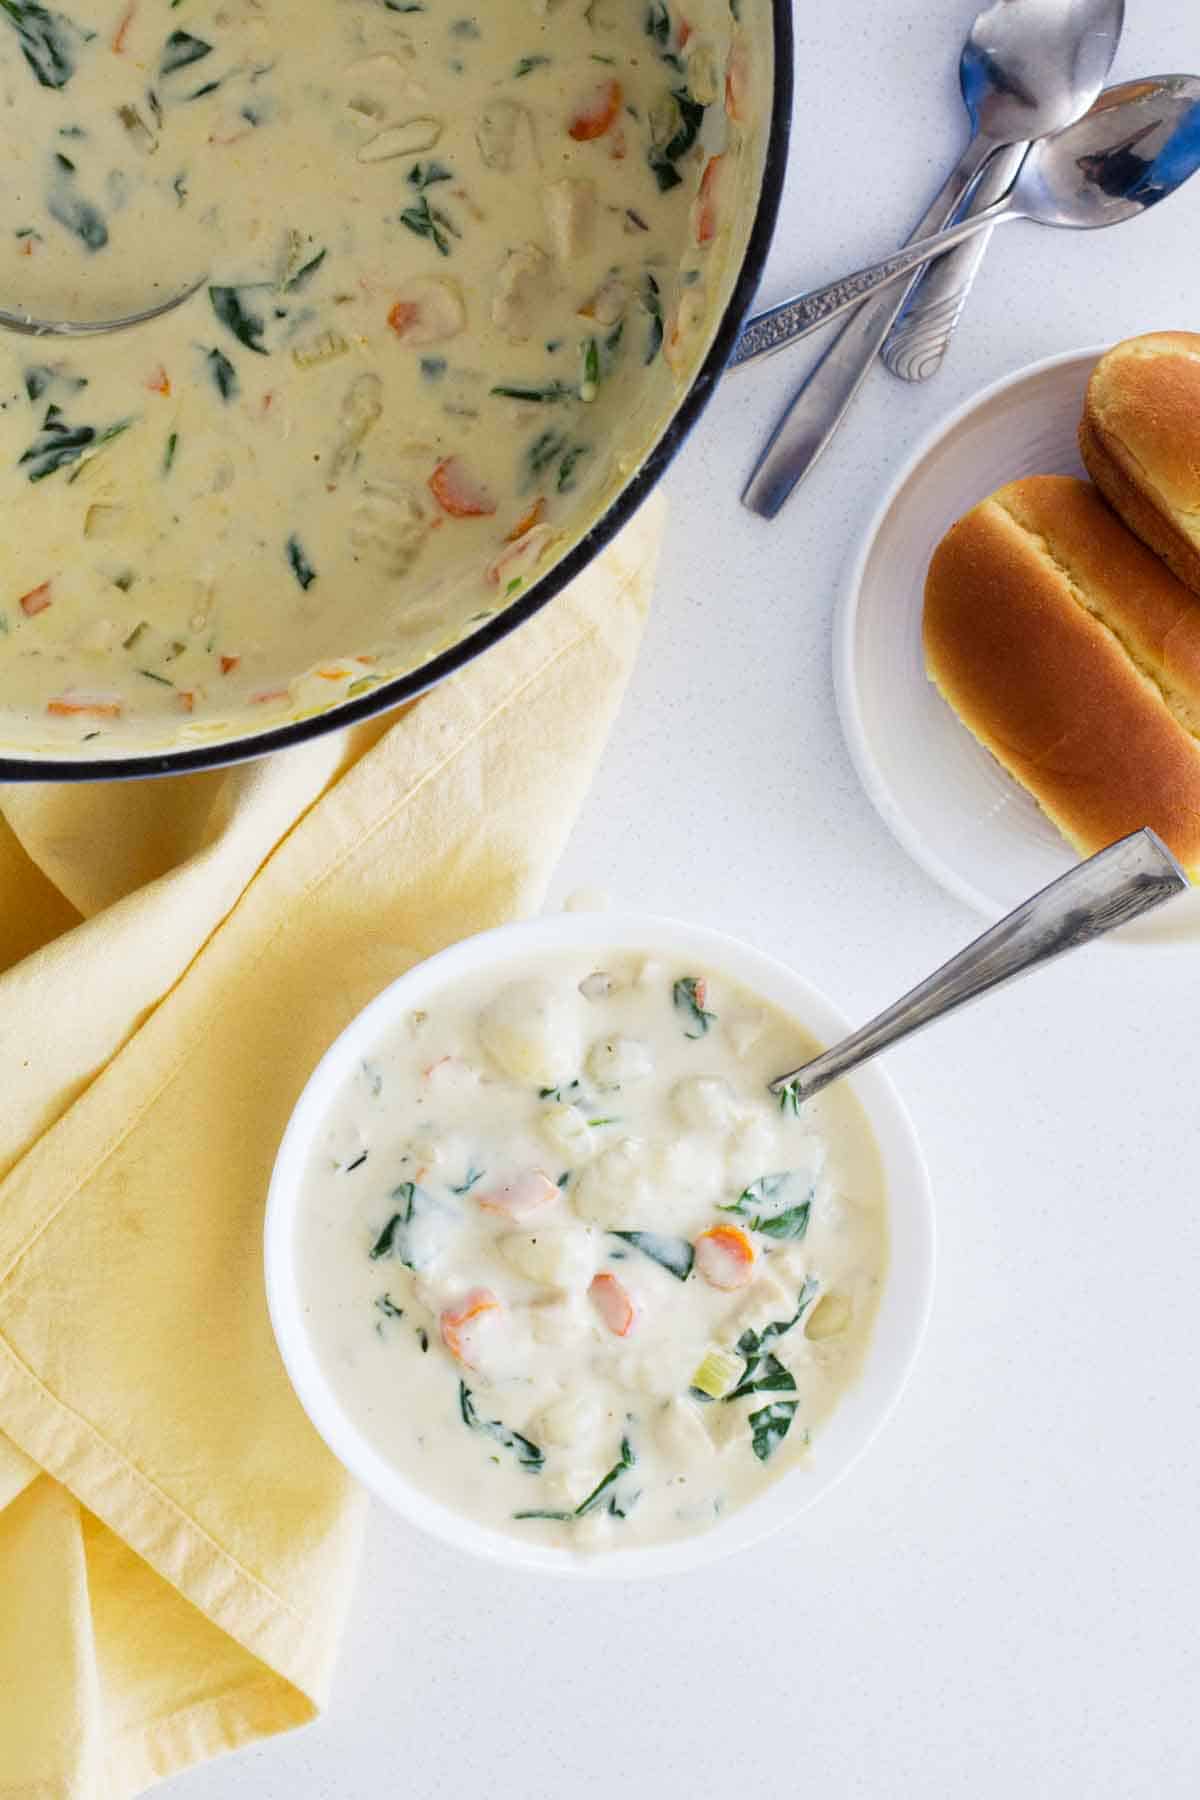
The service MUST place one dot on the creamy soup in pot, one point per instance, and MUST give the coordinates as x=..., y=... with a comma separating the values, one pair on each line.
x=572, y=1268
x=457, y=260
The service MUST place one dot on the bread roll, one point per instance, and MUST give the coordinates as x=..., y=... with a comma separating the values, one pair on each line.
x=1073, y=655
x=1140, y=440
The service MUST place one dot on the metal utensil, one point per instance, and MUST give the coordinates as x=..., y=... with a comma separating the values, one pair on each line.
x=1028, y=67
x=1022, y=51
x=26, y=326
x=1138, y=144
x=1128, y=879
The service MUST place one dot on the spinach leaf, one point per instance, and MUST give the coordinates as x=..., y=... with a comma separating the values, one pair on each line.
x=663, y=157
x=777, y=1219
x=626, y=1461
x=769, y=1426
x=551, y=392
x=527, y=1454
x=305, y=273
x=673, y=1254
x=246, y=326
x=763, y=1370
x=785, y=1227
x=45, y=39
x=387, y=1306
x=658, y=24
x=689, y=995
x=58, y=444
x=224, y=374
x=527, y=64
x=424, y=175
x=300, y=566
x=652, y=302
x=618, y=1506
x=770, y=1376
x=71, y=210
x=566, y=468
x=429, y=222
x=410, y=1201
x=180, y=51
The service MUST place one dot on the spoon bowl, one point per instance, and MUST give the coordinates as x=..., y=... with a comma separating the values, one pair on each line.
x=1137, y=145
x=1027, y=67
x=1030, y=67
x=27, y=326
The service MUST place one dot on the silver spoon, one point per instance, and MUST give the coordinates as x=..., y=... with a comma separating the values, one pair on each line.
x=26, y=326
x=1128, y=879
x=1022, y=48
x=1138, y=144
x=1028, y=67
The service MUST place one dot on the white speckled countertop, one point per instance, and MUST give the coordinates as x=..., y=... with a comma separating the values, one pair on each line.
x=1003, y=1598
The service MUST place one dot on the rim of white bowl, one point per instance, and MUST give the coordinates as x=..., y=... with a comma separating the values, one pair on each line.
x=904, y=1304
x=869, y=770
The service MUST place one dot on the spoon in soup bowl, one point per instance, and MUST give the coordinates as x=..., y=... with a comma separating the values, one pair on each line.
x=25, y=325
x=1112, y=888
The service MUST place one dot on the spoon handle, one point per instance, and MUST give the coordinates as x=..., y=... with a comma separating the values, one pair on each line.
x=917, y=344
x=782, y=325
x=1110, y=889
x=814, y=413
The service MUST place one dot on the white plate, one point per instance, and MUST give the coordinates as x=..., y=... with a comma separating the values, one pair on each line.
x=949, y=803
x=903, y=1308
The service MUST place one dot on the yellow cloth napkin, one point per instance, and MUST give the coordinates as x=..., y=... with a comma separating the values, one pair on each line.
x=176, y=1544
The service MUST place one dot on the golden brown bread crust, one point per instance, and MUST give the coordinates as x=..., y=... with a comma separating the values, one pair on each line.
x=1051, y=690
x=1140, y=442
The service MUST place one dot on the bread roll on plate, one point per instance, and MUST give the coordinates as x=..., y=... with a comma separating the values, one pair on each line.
x=1140, y=442
x=1073, y=655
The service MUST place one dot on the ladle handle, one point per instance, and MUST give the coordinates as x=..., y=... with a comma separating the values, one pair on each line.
x=793, y=319
x=1110, y=889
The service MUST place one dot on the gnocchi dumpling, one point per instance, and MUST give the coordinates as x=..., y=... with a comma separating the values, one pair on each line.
x=531, y=1031
x=617, y=1190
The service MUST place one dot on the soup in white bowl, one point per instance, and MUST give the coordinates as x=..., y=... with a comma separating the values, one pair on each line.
x=552, y=1268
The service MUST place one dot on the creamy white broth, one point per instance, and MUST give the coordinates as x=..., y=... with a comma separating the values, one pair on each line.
x=311, y=477
x=477, y=1310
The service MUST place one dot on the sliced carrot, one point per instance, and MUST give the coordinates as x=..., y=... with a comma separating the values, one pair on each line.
x=159, y=382
x=528, y=1193
x=458, y=493
x=403, y=316
x=26, y=247
x=737, y=83
x=229, y=664
x=118, y=42
x=267, y=694
x=596, y=112
x=725, y=1256
x=36, y=601
x=612, y=1302
x=519, y=560
x=454, y=1325
x=685, y=32
x=187, y=699
x=68, y=707
x=527, y=521
x=706, y=201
